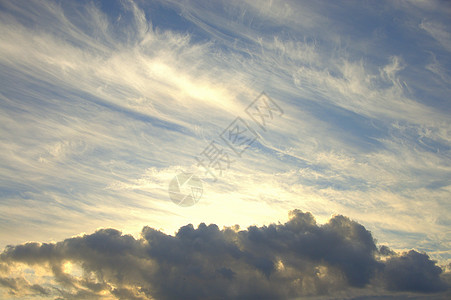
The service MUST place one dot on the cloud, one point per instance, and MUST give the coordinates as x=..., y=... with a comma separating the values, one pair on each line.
x=438, y=31
x=103, y=102
x=278, y=261
x=19, y=286
x=413, y=271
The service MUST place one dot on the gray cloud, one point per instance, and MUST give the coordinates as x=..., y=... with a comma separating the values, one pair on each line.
x=108, y=100
x=17, y=286
x=413, y=271
x=278, y=261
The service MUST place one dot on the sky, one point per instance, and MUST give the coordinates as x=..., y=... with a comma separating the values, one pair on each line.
x=316, y=135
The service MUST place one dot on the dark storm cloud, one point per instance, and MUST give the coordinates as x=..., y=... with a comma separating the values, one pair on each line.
x=19, y=285
x=278, y=261
x=413, y=272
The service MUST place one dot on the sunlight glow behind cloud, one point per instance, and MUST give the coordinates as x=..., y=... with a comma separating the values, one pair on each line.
x=102, y=103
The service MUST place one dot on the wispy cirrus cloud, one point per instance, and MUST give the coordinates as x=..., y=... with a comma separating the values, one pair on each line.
x=103, y=103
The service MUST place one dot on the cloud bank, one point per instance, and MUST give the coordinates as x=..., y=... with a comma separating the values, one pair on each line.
x=279, y=261
x=102, y=103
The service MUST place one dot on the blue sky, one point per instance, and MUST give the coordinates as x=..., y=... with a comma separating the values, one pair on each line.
x=102, y=103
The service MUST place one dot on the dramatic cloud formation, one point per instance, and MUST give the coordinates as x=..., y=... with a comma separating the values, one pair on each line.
x=279, y=261
x=104, y=102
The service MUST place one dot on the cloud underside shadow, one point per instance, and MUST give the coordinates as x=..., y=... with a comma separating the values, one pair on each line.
x=104, y=102
x=278, y=261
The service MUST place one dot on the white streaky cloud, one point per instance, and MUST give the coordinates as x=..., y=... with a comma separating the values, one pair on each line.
x=119, y=75
x=437, y=68
x=438, y=31
x=357, y=90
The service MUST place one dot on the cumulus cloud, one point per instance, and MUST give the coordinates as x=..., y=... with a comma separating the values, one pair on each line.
x=413, y=271
x=104, y=101
x=278, y=261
